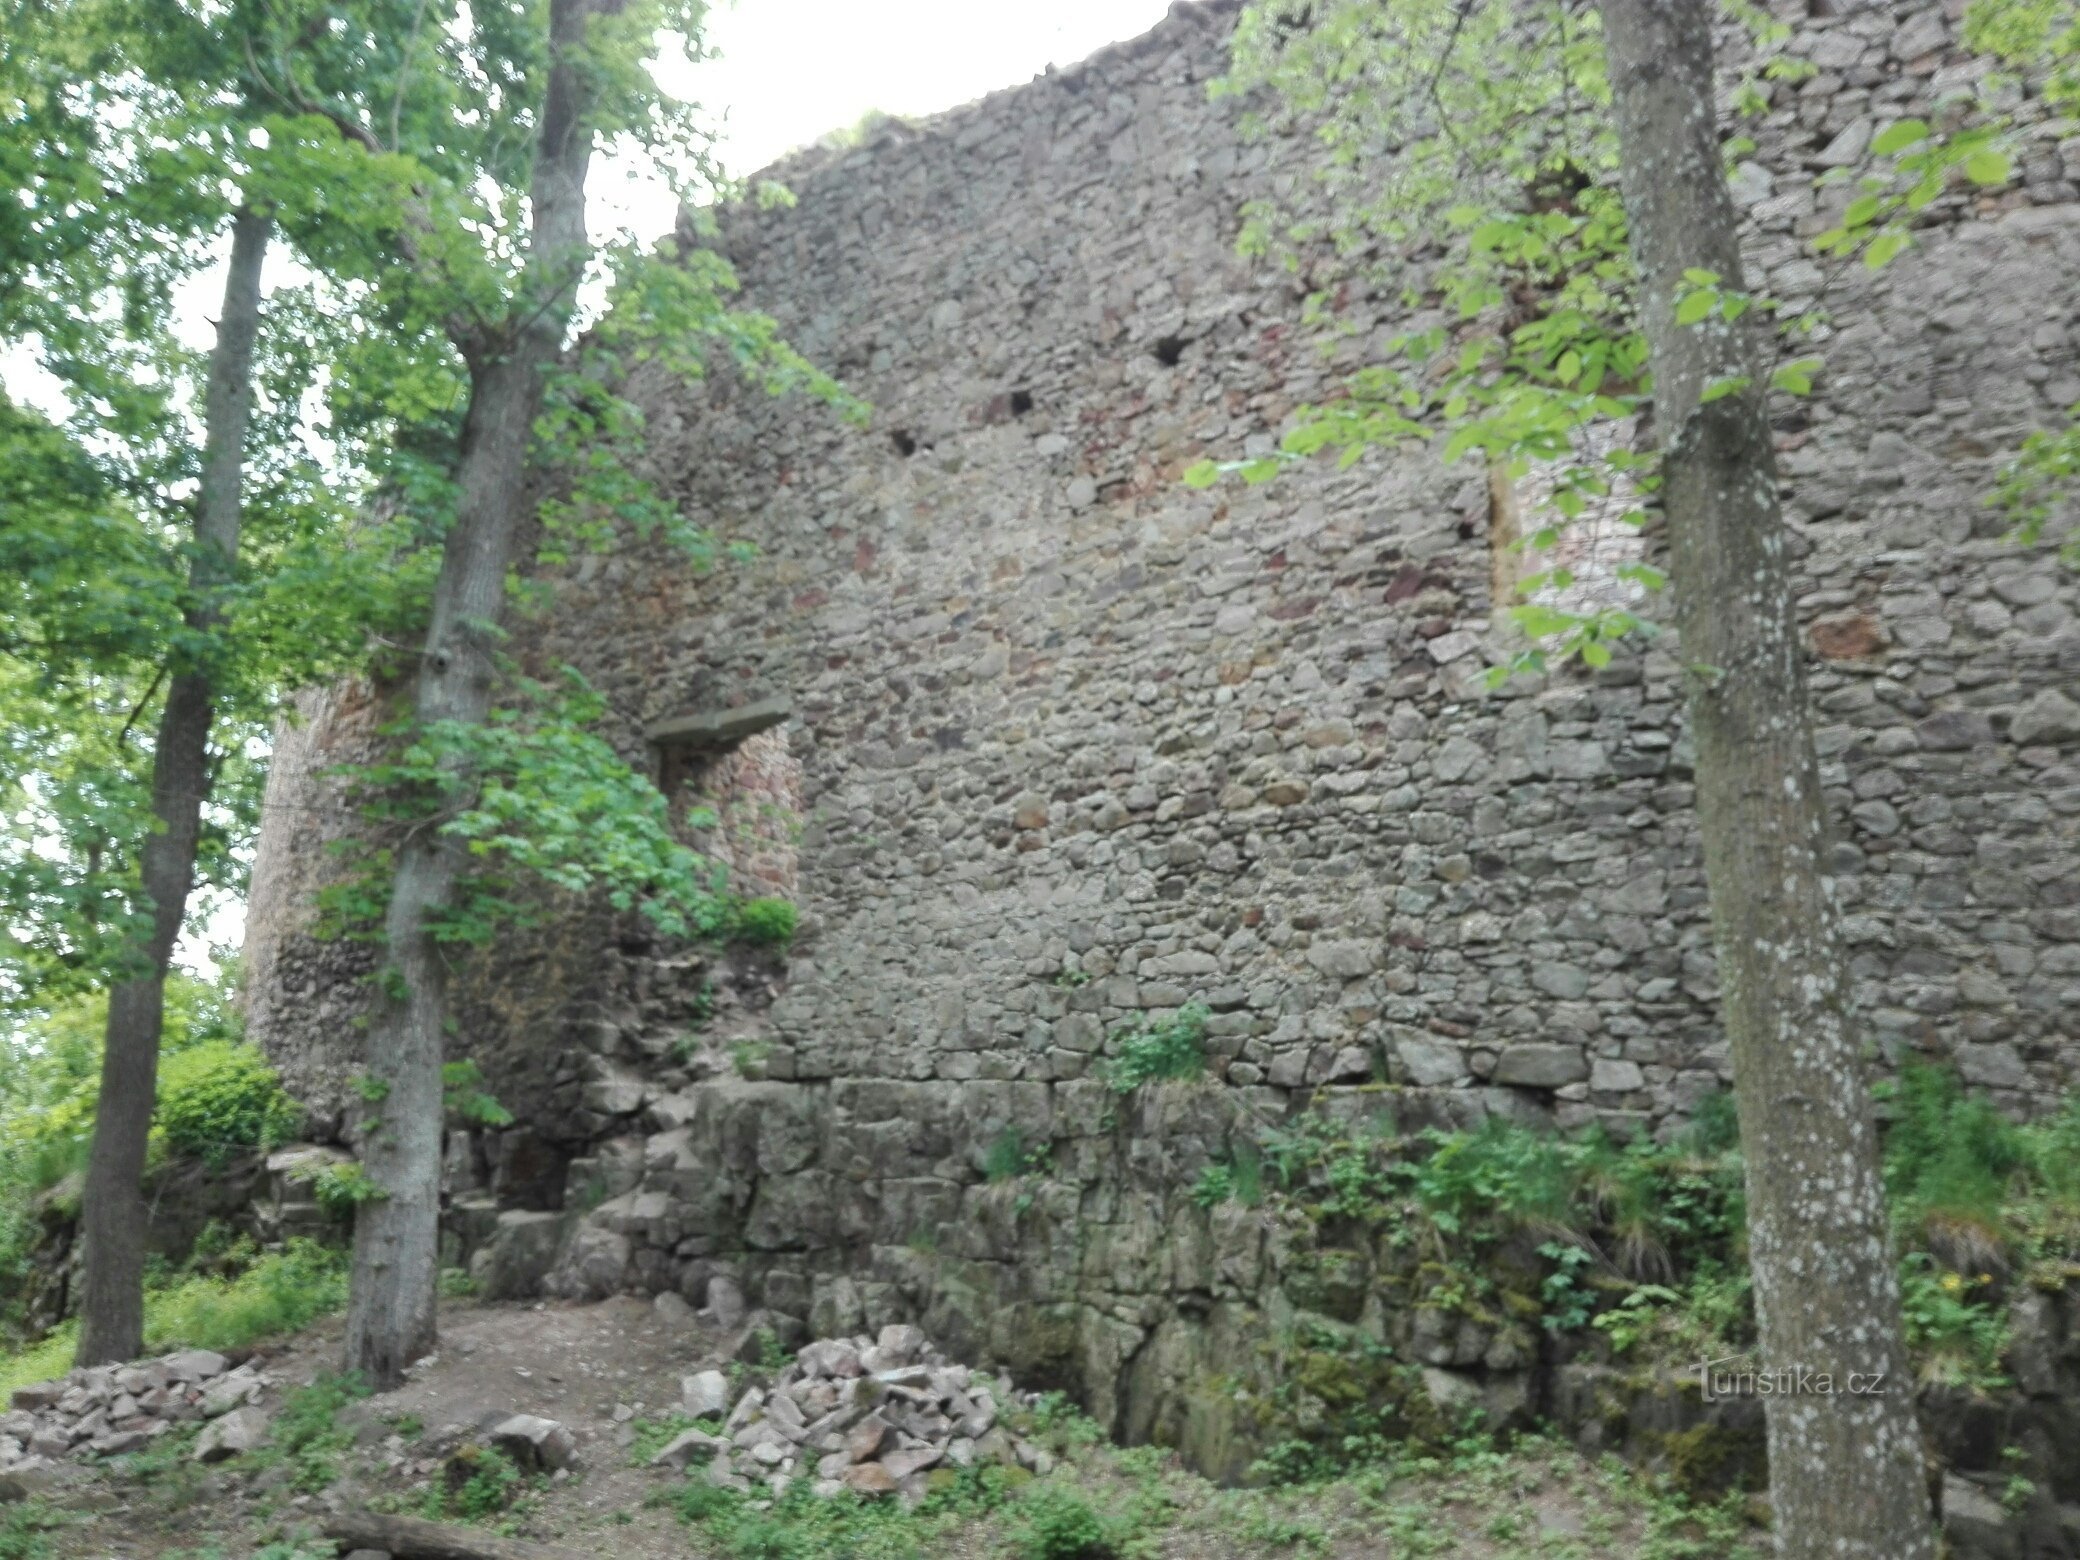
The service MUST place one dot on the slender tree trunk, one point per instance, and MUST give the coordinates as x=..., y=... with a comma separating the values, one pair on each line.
x=390, y=1315
x=1845, y=1460
x=113, y=1209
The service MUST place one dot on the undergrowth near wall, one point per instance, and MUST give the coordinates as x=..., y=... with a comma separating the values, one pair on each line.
x=1632, y=1251
x=268, y=1295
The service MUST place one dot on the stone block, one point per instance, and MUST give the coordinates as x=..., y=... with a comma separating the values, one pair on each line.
x=1540, y=1065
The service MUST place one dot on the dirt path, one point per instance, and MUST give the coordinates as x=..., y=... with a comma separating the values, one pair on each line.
x=601, y=1370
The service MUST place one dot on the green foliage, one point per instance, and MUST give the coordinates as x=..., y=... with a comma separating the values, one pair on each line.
x=270, y=1296
x=1949, y=1156
x=306, y=1437
x=219, y=1098
x=283, y=1292
x=1954, y=1334
x=538, y=800
x=801, y=1526
x=764, y=923
x=1008, y=1157
x=1239, y=1179
x=466, y=1099
x=477, y=1484
x=1466, y=161
x=340, y=1188
x=2039, y=481
x=25, y=1530
x=653, y=1435
x=216, y=1098
x=1057, y=1524
x=1157, y=1048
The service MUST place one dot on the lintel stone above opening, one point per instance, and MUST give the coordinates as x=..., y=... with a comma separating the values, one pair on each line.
x=720, y=728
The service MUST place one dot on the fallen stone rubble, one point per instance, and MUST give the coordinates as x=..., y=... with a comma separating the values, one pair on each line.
x=110, y=1409
x=873, y=1416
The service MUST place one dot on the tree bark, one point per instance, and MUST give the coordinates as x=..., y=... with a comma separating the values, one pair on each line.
x=390, y=1315
x=1846, y=1471
x=113, y=1214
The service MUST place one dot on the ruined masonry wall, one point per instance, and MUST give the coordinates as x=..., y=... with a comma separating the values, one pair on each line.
x=1078, y=744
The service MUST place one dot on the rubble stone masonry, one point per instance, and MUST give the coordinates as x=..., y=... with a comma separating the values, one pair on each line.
x=1077, y=744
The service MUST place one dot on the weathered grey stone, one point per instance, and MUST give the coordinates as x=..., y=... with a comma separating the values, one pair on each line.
x=522, y=1249
x=233, y=1435
x=1347, y=960
x=195, y=1365
x=535, y=1443
x=2050, y=717
x=1537, y=1065
x=704, y=1393
x=1431, y=1063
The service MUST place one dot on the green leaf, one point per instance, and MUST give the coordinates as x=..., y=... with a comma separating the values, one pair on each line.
x=1862, y=211
x=1696, y=306
x=1796, y=378
x=1884, y=248
x=1202, y=474
x=1719, y=389
x=1898, y=137
x=1987, y=166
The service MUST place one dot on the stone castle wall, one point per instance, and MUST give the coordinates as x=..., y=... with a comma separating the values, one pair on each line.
x=1078, y=745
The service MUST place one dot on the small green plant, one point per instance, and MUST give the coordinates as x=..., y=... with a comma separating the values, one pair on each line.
x=1007, y=1157
x=1568, y=1302
x=25, y=1531
x=764, y=923
x=462, y=1089
x=1071, y=980
x=1056, y=1524
x=339, y=1188
x=1239, y=1179
x=1173, y=1047
x=456, y=1284
x=1958, y=1337
x=307, y=1437
x=654, y=1435
x=748, y=1058
x=477, y=1483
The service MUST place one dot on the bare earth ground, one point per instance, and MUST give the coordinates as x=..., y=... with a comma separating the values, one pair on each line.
x=581, y=1364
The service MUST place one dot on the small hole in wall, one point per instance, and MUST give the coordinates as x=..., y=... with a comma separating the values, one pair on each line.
x=1021, y=402
x=1168, y=349
x=904, y=443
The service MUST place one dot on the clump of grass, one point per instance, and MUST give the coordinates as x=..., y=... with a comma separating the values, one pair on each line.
x=1949, y=1159
x=306, y=1435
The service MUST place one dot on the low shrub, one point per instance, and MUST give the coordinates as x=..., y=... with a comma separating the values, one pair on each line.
x=765, y=923
x=221, y=1098
x=1058, y=1524
x=280, y=1292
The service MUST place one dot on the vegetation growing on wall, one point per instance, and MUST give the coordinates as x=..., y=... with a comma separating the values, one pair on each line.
x=1635, y=1251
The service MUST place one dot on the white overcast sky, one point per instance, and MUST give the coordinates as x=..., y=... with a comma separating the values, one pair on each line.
x=793, y=69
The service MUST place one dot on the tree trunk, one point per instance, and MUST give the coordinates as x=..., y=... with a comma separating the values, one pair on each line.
x=113, y=1209
x=390, y=1314
x=1845, y=1460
